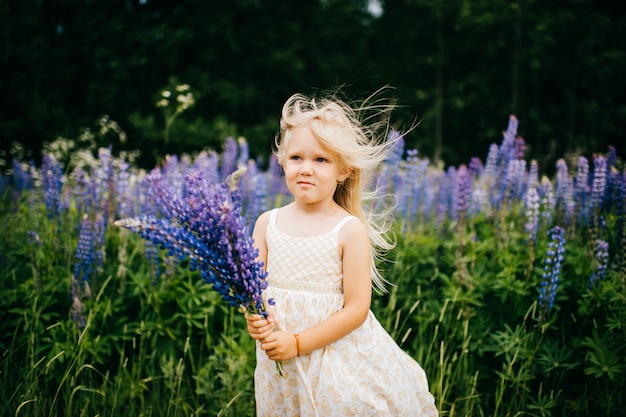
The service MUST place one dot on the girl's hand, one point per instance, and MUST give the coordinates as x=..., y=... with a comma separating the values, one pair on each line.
x=280, y=346
x=259, y=327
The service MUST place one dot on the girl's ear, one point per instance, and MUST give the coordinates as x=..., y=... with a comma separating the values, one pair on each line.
x=344, y=174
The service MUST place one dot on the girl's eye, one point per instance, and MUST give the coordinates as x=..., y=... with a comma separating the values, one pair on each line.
x=320, y=160
x=295, y=157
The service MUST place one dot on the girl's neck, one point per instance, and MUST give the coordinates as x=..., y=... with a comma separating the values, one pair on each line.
x=326, y=209
x=299, y=220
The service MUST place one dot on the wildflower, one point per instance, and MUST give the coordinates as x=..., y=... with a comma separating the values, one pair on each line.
x=462, y=192
x=599, y=181
x=552, y=269
x=229, y=157
x=533, y=174
x=206, y=227
x=532, y=214
x=547, y=199
x=52, y=175
x=508, y=146
x=602, y=258
x=244, y=153
x=85, y=251
x=520, y=147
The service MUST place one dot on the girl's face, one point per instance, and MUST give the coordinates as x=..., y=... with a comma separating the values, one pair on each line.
x=311, y=170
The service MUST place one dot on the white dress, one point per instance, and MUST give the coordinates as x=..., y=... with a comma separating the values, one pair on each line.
x=363, y=374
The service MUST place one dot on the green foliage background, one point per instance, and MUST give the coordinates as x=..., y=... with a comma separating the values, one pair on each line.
x=457, y=66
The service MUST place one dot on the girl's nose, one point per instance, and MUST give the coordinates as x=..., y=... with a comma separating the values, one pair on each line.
x=305, y=168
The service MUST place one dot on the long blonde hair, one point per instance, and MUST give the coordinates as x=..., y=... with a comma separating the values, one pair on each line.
x=359, y=138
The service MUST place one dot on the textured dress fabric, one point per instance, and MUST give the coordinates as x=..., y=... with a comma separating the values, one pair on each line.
x=363, y=374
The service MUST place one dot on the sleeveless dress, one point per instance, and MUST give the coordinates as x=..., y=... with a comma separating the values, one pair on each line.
x=363, y=374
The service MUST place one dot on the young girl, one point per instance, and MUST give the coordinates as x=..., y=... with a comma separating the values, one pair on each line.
x=319, y=252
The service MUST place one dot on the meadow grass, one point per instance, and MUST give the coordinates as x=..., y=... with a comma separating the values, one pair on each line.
x=119, y=328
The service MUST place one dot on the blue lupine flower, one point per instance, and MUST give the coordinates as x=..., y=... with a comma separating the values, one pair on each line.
x=85, y=251
x=601, y=253
x=553, y=264
x=207, y=228
x=52, y=179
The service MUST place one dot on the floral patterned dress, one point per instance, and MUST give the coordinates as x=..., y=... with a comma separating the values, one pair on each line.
x=363, y=374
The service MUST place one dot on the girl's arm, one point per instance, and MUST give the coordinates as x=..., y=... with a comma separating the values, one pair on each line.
x=258, y=327
x=357, y=288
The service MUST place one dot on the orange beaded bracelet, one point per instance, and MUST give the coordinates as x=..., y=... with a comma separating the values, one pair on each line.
x=297, y=336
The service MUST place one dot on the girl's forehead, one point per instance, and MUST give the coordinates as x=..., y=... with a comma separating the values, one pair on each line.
x=303, y=138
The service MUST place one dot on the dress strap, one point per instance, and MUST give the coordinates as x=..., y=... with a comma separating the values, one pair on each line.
x=273, y=215
x=341, y=223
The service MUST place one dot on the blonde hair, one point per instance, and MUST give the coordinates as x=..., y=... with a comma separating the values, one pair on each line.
x=359, y=138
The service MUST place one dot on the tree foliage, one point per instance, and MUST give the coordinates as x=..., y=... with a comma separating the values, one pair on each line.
x=457, y=66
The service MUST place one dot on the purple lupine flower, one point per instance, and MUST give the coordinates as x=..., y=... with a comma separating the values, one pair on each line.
x=229, y=157
x=520, y=148
x=22, y=179
x=533, y=174
x=475, y=167
x=123, y=191
x=611, y=160
x=52, y=178
x=507, y=148
x=553, y=264
x=244, y=153
x=620, y=238
x=102, y=177
x=85, y=251
x=405, y=185
x=492, y=161
x=601, y=253
x=490, y=175
x=277, y=188
x=174, y=173
x=547, y=199
x=562, y=184
x=582, y=189
x=532, y=214
x=419, y=188
x=461, y=193
x=599, y=181
x=81, y=193
x=446, y=195
x=208, y=164
x=207, y=228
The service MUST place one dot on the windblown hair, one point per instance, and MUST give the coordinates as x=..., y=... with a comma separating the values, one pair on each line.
x=358, y=137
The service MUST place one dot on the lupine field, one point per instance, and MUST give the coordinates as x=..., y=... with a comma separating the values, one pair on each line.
x=510, y=286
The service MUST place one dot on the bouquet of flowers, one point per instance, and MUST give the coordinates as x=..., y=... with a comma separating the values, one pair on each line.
x=207, y=228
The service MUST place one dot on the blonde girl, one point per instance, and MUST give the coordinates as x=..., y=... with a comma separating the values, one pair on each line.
x=320, y=252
